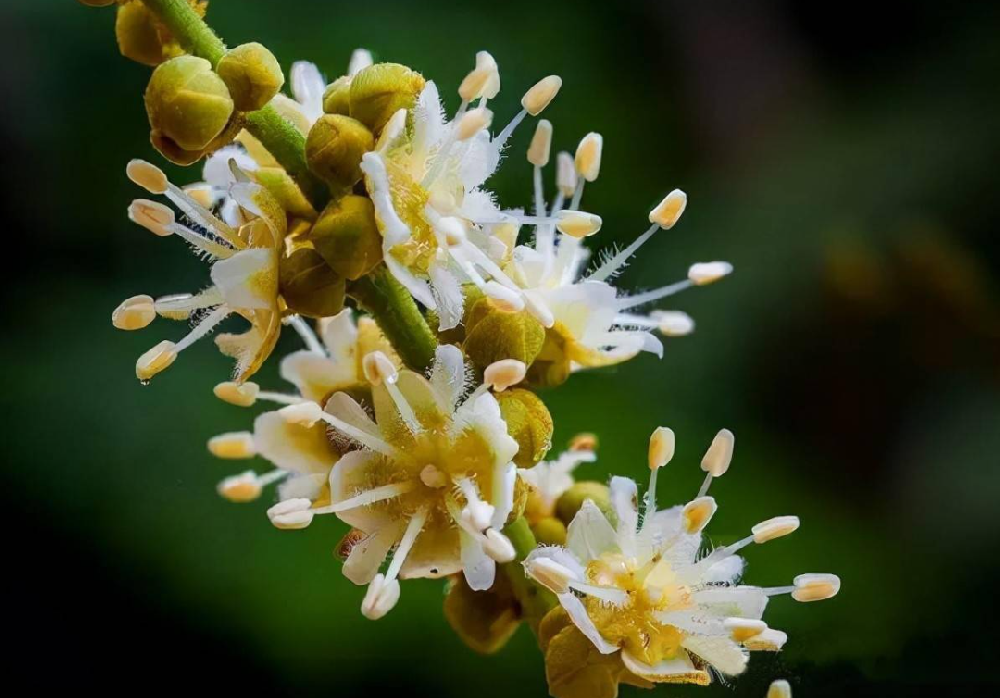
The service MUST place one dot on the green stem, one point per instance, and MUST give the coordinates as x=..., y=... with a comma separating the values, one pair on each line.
x=280, y=138
x=535, y=600
x=397, y=315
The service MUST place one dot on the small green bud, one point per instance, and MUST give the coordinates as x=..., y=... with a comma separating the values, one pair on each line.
x=138, y=36
x=492, y=335
x=528, y=422
x=179, y=156
x=188, y=103
x=550, y=531
x=380, y=90
x=484, y=620
x=334, y=148
x=347, y=236
x=337, y=98
x=575, y=496
x=252, y=74
x=309, y=286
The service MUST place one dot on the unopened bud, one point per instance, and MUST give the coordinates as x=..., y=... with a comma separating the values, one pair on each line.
x=549, y=573
x=565, y=174
x=378, y=368
x=774, y=528
x=501, y=375
x=661, y=447
x=232, y=446
x=134, y=313
x=673, y=323
x=498, y=546
x=588, y=156
x=669, y=211
x=346, y=236
x=252, y=74
x=381, y=90
x=578, y=224
x=815, y=587
x=155, y=360
x=541, y=94
x=188, y=103
x=474, y=121
x=337, y=97
x=151, y=215
x=697, y=513
x=239, y=394
x=380, y=598
x=334, y=148
x=541, y=144
x=720, y=454
x=244, y=487
x=148, y=176
x=704, y=273
x=139, y=37
x=742, y=629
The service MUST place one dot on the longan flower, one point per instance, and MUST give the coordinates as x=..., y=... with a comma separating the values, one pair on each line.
x=433, y=478
x=642, y=589
x=244, y=272
x=550, y=480
x=426, y=177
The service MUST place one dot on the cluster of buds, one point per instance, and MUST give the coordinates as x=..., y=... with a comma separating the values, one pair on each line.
x=357, y=214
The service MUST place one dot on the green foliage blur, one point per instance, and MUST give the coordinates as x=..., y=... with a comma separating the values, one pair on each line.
x=842, y=156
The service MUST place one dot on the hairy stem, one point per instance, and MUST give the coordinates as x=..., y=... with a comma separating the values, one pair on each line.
x=397, y=315
x=535, y=600
x=280, y=138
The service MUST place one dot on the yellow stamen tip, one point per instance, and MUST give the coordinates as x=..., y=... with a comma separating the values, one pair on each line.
x=578, y=224
x=815, y=587
x=474, y=121
x=151, y=215
x=134, y=313
x=541, y=144
x=155, y=360
x=378, y=368
x=565, y=174
x=541, y=94
x=704, y=273
x=240, y=488
x=241, y=395
x=588, y=156
x=743, y=629
x=720, y=454
x=583, y=442
x=669, y=211
x=501, y=375
x=235, y=445
x=148, y=176
x=697, y=513
x=779, y=689
x=662, y=444
x=774, y=528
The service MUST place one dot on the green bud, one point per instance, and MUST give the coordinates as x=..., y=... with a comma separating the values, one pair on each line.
x=347, y=236
x=334, y=148
x=179, y=156
x=550, y=531
x=139, y=37
x=380, y=90
x=528, y=422
x=252, y=74
x=492, y=335
x=188, y=103
x=551, y=366
x=337, y=98
x=284, y=189
x=309, y=286
x=575, y=496
x=484, y=620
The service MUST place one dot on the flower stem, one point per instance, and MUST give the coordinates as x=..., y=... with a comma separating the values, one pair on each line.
x=280, y=138
x=535, y=600
x=398, y=317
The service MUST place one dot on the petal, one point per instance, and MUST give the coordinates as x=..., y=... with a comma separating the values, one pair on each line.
x=418, y=287
x=366, y=557
x=578, y=613
x=349, y=477
x=478, y=567
x=448, y=296
x=561, y=555
x=448, y=375
x=436, y=552
x=740, y=601
x=346, y=409
x=590, y=534
x=726, y=571
x=722, y=653
x=308, y=87
x=308, y=486
x=293, y=447
x=216, y=171
x=317, y=376
x=340, y=335
x=679, y=670
x=504, y=480
x=624, y=502
x=248, y=279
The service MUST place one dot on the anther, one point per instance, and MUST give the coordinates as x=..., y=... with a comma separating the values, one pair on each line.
x=474, y=121
x=565, y=174
x=541, y=94
x=588, y=156
x=380, y=598
x=152, y=215
x=291, y=514
x=661, y=447
x=578, y=224
x=673, y=323
x=815, y=587
x=498, y=546
x=155, y=360
x=774, y=528
x=303, y=413
x=234, y=445
x=719, y=455
x=704, y=273
x=148, y=176
x=669, y=211
x=134, y=313
x=742, y=629
x=378, y=368
x=541, y=144
x=240, y=488
x=502, y=374
x=549, y=574
x=697, y=513
x=241, y=395
x=779, y=689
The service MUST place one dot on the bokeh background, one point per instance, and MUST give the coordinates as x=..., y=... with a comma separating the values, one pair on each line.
x=842, y=155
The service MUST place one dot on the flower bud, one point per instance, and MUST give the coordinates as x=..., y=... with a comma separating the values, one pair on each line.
x=252, y=74
x=347, y=236
x=575, y=496
x=380, y=90
x=188, y=103
x=528, y=422
x=334, y=149
x=139, y=37
x=493, y=334
x=550, y=531
x=337, y=98
x=308, y=284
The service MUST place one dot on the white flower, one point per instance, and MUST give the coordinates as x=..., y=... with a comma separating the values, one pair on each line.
x=441, y=227
x=550, y=480
x=244, y=271
x=642, y=588
x=432, y=476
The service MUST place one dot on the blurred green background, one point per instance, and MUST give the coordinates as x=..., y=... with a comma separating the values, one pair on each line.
x=843, y=156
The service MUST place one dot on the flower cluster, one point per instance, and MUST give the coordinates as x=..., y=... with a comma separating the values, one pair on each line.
x=356, y=213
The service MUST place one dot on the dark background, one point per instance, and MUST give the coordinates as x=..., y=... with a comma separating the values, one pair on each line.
x=841, y=155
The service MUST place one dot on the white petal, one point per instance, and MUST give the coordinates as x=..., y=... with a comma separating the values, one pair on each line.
x=418, y=287
x=624, y=501
x=340, y=335
x=578, y=614
x=448, y=296
x=590, y=534
x=366, y=557
x=448, y=375
x=248, y=279
x=344, y=484
x=504, y=478
x=394, y=230
x=561, y=555
x=661, y=671
x=307, y=486
x=316, y=376
x=725, y=571
x=308, y=87
x=740, y=601
x=478, y=567
x=292, y=447
x=722, y=653
x=346, y=409
x=216, y=171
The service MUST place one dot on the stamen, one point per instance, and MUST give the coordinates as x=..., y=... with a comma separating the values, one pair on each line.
x=502, y=374
x=413, y=529
x=742, y=629
x=612, y=265
x=779, y=689
x=662, y=443
x=565, y=175
x=380, y=598
x=241, y=395
x=280, y=398
x=704, y=273
x=500, y=141
x=668, y=212
x=770, y=640
x=588, y=156
x=538, y=309
x=201, y=242
x=240, y=488
x=503, y=298
x=578, y=224
x=717, y=458
x=473, y=122
x=362, y=437
x=630, y=302
x=155, y=360
x=204, y=326
x=539, y=97
x=134, y=313
x=234, y=445
x=202, y=216
x=774, y=528
x=550, y=574
x=291, y=514
x=431, y=476
x=577, y=195
x=815, y=587
x=697, y=513
x=378, y=369
x=583, y=442
x=368, y=497
x=180, y=305
x=306, y=332
x=148, y=176
x=151, y=215
x=476, y=513
x=498, y=546
x=672, y=323
x=541, y=145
